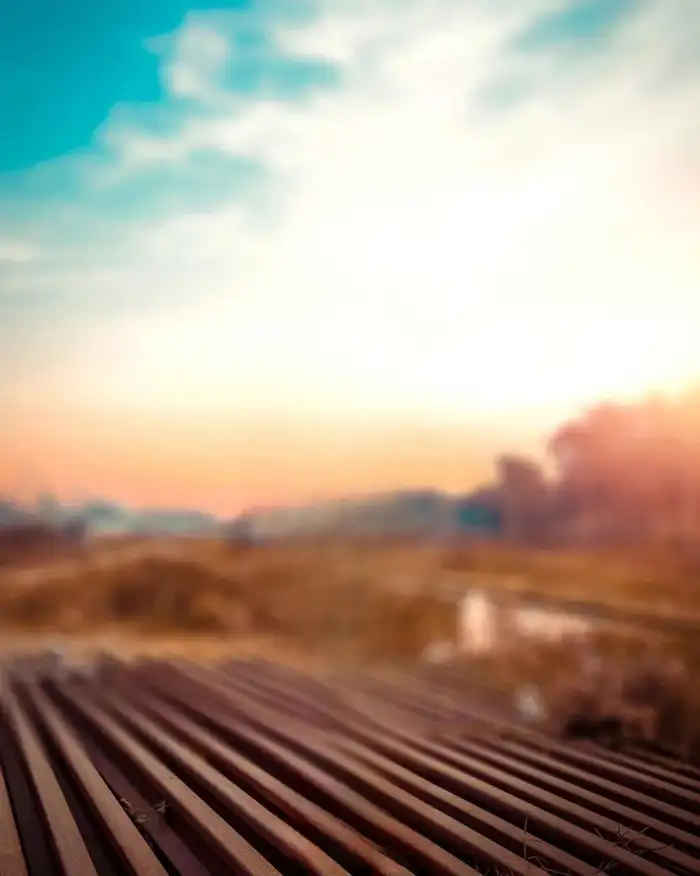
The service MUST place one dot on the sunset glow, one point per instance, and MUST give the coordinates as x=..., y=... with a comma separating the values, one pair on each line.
x=328, y=247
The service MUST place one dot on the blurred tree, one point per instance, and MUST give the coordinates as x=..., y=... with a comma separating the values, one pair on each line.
x=524, y=499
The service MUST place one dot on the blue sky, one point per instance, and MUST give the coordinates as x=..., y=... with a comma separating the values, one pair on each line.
x=68, y=70
x=279, y=203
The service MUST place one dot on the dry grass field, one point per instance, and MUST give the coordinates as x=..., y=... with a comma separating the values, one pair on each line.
x=322, y=598
x=655, y=580
x=394, y=596
x=326, y=603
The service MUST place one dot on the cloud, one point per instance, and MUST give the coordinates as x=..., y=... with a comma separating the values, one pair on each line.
x=197, y=60
x=17, y=252
x=465, y=221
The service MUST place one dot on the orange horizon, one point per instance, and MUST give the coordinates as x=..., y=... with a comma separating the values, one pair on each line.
x=228, y=462
x=228, y=469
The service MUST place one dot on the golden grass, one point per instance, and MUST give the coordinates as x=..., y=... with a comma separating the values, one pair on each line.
x=332, y=590
x=343, y=601
x=301, y=596
x=659, y=581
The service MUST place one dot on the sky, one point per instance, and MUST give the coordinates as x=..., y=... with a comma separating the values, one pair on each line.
x=262, y=252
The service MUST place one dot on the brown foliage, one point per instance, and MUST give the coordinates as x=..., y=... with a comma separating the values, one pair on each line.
x=321, y=598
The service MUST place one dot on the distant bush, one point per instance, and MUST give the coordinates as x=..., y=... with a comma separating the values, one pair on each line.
x=335, y=609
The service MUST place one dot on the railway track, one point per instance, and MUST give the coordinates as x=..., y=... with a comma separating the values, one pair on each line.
x=160, y=768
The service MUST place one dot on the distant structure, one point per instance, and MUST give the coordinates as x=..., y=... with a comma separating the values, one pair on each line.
x=409, y=514
x=100, y=518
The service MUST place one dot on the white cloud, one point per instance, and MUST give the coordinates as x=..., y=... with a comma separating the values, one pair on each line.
x=17, y=251
x=192, y=60
x=417, y=246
